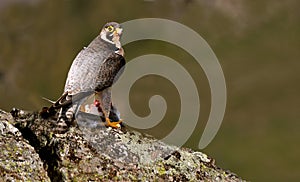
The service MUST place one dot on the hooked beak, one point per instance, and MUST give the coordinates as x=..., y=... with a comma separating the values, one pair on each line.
x=118, y=31
x=116, y=37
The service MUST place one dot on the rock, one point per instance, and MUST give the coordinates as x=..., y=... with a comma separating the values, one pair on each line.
x=19, y=160
x=91, y=152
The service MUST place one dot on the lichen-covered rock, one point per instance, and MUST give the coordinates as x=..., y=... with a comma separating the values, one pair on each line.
x=92, y=152
x=18, y=159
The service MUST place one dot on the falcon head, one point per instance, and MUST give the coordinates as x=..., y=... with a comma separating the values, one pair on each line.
x=111, y=32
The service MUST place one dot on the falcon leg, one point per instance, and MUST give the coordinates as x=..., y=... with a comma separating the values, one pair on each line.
x=104, y=100
x=114, y=114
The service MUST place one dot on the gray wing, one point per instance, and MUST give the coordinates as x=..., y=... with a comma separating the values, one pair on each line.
x=109, y=71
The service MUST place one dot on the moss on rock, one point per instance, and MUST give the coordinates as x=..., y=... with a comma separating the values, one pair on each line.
x=96, y=153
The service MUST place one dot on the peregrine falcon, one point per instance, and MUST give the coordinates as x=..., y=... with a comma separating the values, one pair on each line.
x=93, y=71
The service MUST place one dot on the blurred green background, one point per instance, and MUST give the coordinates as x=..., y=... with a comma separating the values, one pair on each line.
x=256, y=42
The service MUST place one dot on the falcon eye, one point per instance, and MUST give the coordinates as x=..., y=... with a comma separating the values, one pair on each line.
x=110, y=28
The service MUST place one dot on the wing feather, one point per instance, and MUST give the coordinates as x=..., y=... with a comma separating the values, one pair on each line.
x=109, y=71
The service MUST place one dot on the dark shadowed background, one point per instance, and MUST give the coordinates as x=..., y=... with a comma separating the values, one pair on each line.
x=257, y=44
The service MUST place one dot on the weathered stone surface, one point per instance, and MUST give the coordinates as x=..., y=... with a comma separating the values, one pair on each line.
x=92, y=152
x=18, y=159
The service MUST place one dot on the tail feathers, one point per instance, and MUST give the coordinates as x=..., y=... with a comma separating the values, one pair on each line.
x=68, y=106
x=69, y=112
x=66, y=116
x=66, y=99
x=46, y=99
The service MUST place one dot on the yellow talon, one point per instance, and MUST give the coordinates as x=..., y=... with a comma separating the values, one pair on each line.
x=113, y=124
